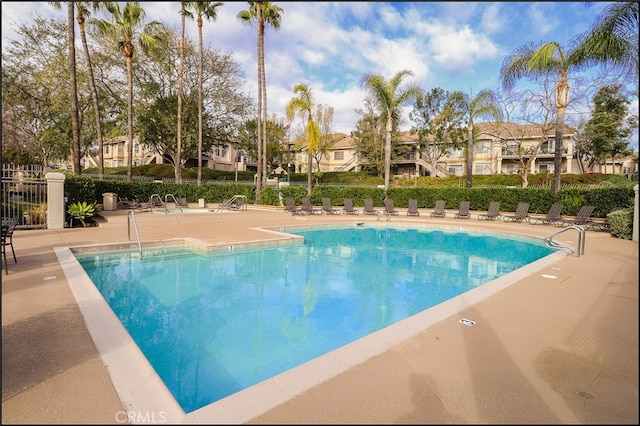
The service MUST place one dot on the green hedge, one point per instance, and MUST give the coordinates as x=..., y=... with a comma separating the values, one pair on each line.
x=81, y=188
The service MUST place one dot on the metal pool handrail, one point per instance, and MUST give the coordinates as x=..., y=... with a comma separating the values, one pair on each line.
x=174, y=200
x=581, y=237
x=132, y=217
x=159, y=200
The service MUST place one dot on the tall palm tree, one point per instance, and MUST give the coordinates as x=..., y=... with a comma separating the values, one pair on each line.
x=207, y=10
x=82, y=14
x=484, y=104
x=613, y=37
x=389, y=98
x=73, y=92
x=303, y=104
x=544, y=60
x=178, y=159
x=265, y=14
x=126, y=25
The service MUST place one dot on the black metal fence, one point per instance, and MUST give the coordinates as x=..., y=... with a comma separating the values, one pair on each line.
x=24, y=195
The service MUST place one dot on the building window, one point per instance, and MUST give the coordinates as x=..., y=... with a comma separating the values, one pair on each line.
x=456, y=153
x=511, y=149
x=484, y=147
x=483, y=168
x=512, y=168
x=220, y=151
x=107, y=149
x=136, y=148
x=545, y=167
x=338, y=155
x=455, y=169
x=548, y=147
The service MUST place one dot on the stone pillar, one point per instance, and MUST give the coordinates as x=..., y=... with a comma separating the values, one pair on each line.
x=55, y=200
x=635, y=215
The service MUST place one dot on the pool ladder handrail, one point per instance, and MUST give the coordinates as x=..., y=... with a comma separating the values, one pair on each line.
x=174, y=200
x=131, y=217
x=569, y=250
x=159, y=200
x=228, y=203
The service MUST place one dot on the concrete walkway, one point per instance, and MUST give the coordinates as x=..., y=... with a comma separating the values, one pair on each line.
x=542, y=351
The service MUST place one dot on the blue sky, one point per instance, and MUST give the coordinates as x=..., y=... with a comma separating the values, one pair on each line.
x=330, y=45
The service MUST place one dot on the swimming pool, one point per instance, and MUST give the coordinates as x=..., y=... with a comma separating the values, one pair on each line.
x=335, y=272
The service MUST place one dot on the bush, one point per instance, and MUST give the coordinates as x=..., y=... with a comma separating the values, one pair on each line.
x=621, y=223
x=81, y=211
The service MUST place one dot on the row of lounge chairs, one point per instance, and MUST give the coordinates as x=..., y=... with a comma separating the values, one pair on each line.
x=553, y=216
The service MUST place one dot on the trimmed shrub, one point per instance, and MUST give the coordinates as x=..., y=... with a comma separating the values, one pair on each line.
x=621, y=222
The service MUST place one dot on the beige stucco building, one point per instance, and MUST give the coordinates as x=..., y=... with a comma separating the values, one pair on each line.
x=500, y=148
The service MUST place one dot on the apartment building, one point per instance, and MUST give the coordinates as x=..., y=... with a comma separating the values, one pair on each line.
x=500, y=148
x=115, y=153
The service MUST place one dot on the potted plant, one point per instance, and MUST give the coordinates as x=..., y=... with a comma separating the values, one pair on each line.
x=81, y=210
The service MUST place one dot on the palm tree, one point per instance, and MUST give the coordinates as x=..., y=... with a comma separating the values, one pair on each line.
x=264, y=13
x=82, y=14
x=303, y=105
x=178, y=159
x=126, y=25
x=538, y=61
x=389, y=99
x=485, y=104
x=73, y=92
x=208, y=10
x=613, y=37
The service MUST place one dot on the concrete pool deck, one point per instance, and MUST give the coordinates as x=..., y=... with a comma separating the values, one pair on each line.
x=557, y=346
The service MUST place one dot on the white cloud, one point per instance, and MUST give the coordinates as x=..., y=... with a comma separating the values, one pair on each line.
x=494, y=18
x=459, y=49
x=541, y=20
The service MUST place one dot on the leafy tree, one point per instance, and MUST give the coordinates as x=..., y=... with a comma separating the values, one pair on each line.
x=247, y=136
x=389, y=97
x=156, y=124
x=303, y=104
x=277, y=131
x=277, y=135
x=264, y=14
x=127, y=25
x=35, y=94
x=324, y=118
x=368, y=137
x=438, y=122
x=608, y=130
x=224, y=107
x=208, y=10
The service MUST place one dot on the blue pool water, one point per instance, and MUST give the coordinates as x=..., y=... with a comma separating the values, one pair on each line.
x=214, y=324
